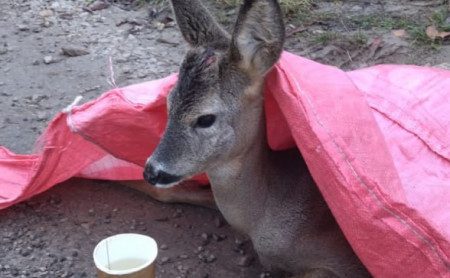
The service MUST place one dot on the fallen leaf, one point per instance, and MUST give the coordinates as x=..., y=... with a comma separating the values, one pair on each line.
x=375, y=45
x=433, y=33
x=399, y=33
x=444, y=34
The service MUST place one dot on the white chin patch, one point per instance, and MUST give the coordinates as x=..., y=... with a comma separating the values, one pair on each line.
x=167, y=185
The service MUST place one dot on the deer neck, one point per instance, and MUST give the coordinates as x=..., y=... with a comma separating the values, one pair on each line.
x=239, y=183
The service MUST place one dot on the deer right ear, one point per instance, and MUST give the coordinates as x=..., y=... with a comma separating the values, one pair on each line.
x=258, y=37
x=197, y=25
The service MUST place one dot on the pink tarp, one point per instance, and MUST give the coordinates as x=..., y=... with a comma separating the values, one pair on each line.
x=376, y=141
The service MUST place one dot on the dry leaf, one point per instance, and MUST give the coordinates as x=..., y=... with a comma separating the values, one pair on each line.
x=375, y=45
x=433, y=33
x=444, y=34
x=399, y=33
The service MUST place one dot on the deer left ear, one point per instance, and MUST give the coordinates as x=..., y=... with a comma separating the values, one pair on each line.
x=258, y=37
x=197, y=25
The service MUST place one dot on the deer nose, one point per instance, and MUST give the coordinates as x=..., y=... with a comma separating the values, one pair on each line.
x=151, y=175
x=156, y=176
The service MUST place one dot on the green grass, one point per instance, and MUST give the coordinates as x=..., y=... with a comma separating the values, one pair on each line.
x=378, y=22
x=359, y=38
x=438, y=19
x=415, y=29
x=325, y=37
x=288, y=6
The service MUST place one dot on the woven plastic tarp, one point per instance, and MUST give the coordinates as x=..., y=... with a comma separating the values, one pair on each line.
x=376, y=141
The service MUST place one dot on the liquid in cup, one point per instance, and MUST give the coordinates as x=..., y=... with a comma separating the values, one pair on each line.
x=126, y=256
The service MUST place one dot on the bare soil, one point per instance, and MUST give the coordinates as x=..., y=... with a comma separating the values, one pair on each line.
x=52, y=51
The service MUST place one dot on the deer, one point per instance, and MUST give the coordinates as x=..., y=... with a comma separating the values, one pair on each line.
x=216, y=125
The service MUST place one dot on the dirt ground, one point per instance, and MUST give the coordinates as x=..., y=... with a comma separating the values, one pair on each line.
x=52, y=51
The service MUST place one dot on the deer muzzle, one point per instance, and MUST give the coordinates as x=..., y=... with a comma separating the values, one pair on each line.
x=158, y=177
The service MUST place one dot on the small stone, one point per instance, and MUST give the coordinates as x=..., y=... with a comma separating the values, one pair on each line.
x=163, y=247
x=144, y=74
x=66, y=274
x=3, y=50
x=205, y=236
x=245, y=261
x=162, y=219
x=126, y=69
x=98, y=5
x=36, y=30
x=73, y=51
x=199, y=250
x=46, y=13
x=15, y=272
x=46, y=24
x=217, y=237
x=218, y=222
x=356, y=8
x=165, y=260
x=85, y=25
x=35, y=98
x=183, y=256
x=41, y=116
x=211, y=258
x=23, y=27
x=35, y=62
x=37, y=243
x=55, y=5
x=25, y=252
x=205, y=239
x=48, y=59
x=238, y=242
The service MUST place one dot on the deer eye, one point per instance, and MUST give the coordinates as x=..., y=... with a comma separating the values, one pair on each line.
x=205, y=121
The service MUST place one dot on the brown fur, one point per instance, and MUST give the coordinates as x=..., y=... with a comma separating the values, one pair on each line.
x=266, y=194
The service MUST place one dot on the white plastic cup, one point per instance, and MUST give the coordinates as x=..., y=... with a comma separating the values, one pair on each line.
x=126, y=256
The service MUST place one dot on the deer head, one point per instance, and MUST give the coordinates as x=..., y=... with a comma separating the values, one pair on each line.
x=215, y=109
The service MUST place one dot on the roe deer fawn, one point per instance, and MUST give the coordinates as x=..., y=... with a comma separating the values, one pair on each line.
x=216, y=125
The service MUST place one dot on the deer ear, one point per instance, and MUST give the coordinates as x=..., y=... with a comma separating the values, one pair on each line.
x=258, y=37
x=197, y=25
